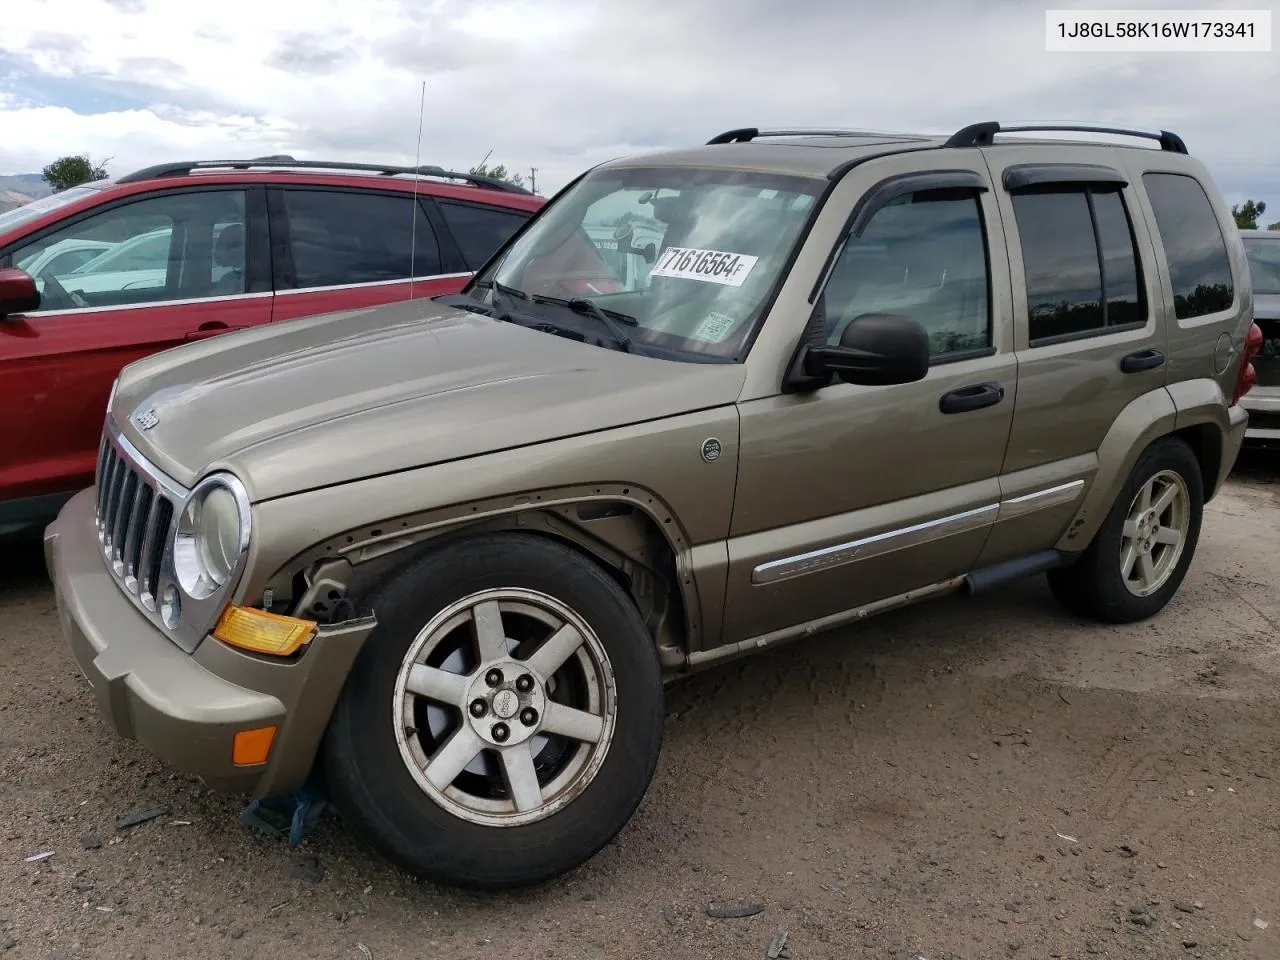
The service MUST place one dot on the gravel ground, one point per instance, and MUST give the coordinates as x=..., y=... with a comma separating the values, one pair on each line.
x=969, y=779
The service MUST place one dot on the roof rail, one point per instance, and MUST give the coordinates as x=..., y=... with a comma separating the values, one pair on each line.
x=745, y=134
x=286, y=162
x=983, y=134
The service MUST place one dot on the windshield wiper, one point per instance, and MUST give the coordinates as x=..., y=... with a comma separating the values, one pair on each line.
x=585, y=307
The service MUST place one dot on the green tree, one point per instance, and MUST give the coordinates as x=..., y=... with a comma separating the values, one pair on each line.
x=1274, y=226
x=497, y=173
x=1248, y=214
x=66, y=172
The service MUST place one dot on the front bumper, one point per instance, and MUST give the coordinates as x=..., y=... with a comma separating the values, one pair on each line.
x=187, y=708
x=1263, y=404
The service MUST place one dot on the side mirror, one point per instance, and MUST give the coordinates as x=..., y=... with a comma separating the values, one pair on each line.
x=875, y=349
x=18, y=292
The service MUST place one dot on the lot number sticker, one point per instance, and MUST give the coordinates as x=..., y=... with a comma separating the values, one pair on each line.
x=713, y=266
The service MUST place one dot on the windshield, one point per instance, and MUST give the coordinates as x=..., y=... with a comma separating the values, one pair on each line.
x=686, y=259
x=36, y=208
x=1264, y=264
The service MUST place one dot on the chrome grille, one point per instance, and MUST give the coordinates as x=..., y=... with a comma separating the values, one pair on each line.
x=135, y=517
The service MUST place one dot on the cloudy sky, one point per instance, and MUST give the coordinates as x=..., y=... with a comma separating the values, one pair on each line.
x=562, y=84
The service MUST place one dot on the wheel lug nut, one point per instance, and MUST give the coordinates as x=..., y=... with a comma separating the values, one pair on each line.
x=493, y=677
x=500, y=732
x=528, y=716
x=478, y=708
x=524, y=683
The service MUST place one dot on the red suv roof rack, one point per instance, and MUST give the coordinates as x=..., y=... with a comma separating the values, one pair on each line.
x=285, y=163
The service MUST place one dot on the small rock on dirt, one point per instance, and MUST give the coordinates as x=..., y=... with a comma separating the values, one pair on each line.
x=729, y=911
x=307, y=869
x=140, y=817
x=777, y=946
x=1183, y=907
x=91, y=841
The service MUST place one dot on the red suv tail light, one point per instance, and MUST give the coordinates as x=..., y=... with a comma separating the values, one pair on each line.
x=1247, y=376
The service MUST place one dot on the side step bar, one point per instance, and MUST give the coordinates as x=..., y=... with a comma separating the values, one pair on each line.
x=997, y=575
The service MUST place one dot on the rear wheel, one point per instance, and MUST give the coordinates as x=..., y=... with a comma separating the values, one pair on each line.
x=503, y=721
x=1141, y=554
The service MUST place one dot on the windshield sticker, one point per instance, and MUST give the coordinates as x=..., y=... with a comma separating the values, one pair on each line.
x=715, y=327
x=713, y=266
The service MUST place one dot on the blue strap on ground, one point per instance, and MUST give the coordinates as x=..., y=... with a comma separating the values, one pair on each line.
x=292, y=817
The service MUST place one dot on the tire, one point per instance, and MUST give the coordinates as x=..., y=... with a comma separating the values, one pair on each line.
x=1095, y=586
x=457, y=835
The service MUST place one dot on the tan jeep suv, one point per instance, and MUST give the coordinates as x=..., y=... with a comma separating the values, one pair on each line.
x=448, y=552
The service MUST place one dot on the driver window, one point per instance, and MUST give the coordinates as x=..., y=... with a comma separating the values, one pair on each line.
x=170, y=247
x=923, y=256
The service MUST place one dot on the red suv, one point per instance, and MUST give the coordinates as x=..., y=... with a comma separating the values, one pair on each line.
x=99, y=275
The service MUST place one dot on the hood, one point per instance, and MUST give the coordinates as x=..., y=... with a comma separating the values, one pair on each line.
x=334, y=398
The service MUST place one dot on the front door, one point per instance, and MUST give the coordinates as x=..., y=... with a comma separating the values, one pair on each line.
x=852, y=494
x=173, y=268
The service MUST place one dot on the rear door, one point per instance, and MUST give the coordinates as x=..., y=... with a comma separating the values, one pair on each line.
x=179, y=265
x=338, y=248
x=1088, y=328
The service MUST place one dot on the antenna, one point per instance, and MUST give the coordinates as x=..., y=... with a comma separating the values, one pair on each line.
x=417, y=166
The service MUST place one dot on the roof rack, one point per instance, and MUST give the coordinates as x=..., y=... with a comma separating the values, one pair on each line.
x=745, y=134
x=983, y=134
x=285, y=162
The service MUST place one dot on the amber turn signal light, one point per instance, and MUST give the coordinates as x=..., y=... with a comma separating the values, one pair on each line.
x=252, y=746
x=263, y=632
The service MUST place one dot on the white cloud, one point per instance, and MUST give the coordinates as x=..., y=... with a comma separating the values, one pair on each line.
x=562, y=84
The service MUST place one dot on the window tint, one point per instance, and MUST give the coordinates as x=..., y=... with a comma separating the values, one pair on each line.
x=1119, y=260
x=340, y=237
x=480, y=230
x=922, y=255
x=1079, y=260
x=176, y=246
x=1199, y=268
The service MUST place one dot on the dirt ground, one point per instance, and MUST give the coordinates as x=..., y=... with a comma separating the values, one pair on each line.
x=969, y=779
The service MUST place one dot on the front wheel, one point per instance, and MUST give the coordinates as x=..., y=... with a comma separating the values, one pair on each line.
x=1140, y=555
x=503, y=721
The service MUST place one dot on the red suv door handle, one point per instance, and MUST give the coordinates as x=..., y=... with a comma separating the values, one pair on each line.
x=212, y=329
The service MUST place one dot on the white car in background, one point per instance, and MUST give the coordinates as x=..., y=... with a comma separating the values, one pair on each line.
x=65, y=256
x=1263, y=402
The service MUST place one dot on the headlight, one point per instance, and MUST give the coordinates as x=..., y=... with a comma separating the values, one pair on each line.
x=212, y=532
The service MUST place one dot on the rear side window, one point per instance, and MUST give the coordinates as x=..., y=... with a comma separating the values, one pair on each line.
x=338, y=238
x=480, y=230
x=1199, y=267
x=1080, y=261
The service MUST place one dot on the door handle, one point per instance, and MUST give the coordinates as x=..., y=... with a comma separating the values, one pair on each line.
x=971, y=398
x=1142, y=360
x=211, y=329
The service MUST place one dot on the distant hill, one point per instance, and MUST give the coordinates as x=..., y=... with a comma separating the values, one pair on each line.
x=20, y=188
x=28, y=184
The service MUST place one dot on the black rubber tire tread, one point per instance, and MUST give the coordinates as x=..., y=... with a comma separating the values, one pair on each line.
x=1093, y=587
x=377, y=795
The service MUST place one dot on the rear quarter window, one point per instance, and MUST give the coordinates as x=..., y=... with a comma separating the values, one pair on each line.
x=480, y=231
x=1199, y=266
